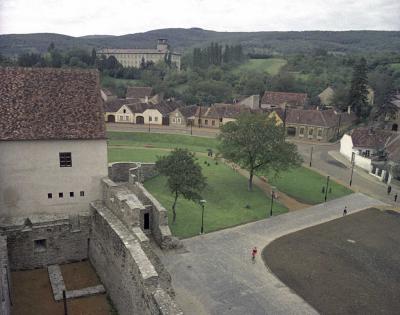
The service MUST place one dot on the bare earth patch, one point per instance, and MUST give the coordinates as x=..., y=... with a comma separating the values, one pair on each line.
x=346, y=266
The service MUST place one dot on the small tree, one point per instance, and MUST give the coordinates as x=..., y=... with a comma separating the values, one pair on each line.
x=255, y=142
x=184, y=176
x=358, y=95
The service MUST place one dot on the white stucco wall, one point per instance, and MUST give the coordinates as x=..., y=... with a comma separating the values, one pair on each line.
x=29, y=170
x=153, y=113
x=127, y=117
x=346, y=149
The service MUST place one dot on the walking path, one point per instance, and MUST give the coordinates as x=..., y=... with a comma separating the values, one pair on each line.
x=215, y=274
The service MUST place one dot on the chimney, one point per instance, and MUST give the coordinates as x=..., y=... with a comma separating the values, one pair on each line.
x=349, y=110
x=146, y=99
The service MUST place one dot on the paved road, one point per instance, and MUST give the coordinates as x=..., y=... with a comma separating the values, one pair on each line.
x=327, y=160
x=216, y=275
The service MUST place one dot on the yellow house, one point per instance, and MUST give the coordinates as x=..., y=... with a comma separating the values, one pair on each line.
x=277, y=117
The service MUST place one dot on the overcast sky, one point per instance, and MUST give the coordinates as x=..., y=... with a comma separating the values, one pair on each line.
x=118, y=17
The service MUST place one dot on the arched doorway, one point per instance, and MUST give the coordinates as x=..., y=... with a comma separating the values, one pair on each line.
x=291, y=131
x=395, y=127
x=140, y=120
x=111, y=118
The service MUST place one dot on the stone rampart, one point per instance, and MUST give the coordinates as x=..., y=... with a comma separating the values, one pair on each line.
x=120, y=171
x=129, y=276
x=39, y=241
x=5, y=279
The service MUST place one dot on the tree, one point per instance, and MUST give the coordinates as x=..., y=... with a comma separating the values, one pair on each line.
x=255, y=142
x=184, y=176
x=358, y=95
x=383, y=85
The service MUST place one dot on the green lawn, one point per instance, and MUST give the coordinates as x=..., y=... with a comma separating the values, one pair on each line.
x=306, y=186
x=134, y=154
x=156, y=140
x=270, y=65
x=226, y=196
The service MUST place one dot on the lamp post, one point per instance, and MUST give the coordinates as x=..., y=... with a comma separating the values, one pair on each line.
x=312, y=148
x=149, y=125
x=272, y=200
x=191, y=127
x=353, y=156
x=326, y=190
x=202, y=203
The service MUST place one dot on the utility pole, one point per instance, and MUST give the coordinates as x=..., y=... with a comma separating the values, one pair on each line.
x=353, y=155
x=284, y=122
x=272, y=201
x=338, y=130
x=312, y=148
x=326, y=190
x=149, y=125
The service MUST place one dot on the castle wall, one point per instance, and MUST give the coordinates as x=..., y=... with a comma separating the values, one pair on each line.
x=46, y=240
x=30, y=171
x=5, y=279
x=125, y=270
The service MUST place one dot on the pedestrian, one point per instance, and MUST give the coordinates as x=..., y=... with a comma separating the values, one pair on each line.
x=254, y=253
x=395, y=198
x=389, y=189
x=345, y=211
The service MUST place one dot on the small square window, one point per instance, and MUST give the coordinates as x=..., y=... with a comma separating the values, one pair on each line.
x=82, y=193
x=40, y=245
x=60, y=195
x=71, y=194
x=65, y=159
x=50, y=196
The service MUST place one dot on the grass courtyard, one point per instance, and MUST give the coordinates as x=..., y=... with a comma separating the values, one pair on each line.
x=226, y=194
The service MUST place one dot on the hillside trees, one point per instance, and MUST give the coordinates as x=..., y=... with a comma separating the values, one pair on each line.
x=215, y=55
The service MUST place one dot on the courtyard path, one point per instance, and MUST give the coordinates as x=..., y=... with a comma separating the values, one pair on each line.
x=215, y=275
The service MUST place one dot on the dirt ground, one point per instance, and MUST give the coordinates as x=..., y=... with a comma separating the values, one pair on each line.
x=32, y=294
x=347, y=266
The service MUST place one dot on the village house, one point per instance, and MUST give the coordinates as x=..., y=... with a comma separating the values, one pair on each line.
x=107, y=95
x=53, y=150
x=136, y=94
x=326, y=96
x=217, y=115
x=392, y=122
x=183, y=116
x=252, y=101
x=134, y=57
x=375, y=151
x=314, y=124
x=283, y=99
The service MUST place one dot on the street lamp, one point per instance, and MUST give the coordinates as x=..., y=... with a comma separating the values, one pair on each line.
x=326, y=190
x=272, y=200
x=149, y=125
x=202, y=203
x=191, y=127
x=312, y=148
x=353, y=156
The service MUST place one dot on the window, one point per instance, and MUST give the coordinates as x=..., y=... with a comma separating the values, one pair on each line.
x=60, y=195
x=173, y=120
x=124, y=111
x=367, y=153
x=199, y=121
x=310, y=132
x=71, y=194
x=65, y=159
x=82, y=193
x=156, y=118
x=121, y=118
x=320, y=133
x=150, y=118
x=213, y=122
x=301, y=131
x=40, y=245
x=206, y=122
x=220, y=120
x=50, y=196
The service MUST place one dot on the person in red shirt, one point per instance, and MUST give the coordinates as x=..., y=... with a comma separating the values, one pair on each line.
x=254, y=253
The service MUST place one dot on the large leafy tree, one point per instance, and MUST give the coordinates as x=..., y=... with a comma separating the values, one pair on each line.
x=184, y=176
x=256, y=142
x=358, y=95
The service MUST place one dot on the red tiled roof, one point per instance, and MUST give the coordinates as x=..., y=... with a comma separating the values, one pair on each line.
x=221, y=110
x=280, y=98
x=44, y=104
x=115, y=105
x=368, y=138
x=136, y=92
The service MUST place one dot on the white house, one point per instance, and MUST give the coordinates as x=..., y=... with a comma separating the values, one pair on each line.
x=366, y=147
x=53, y=149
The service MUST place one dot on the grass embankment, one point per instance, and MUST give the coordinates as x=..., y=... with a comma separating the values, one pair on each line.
x=226, y=195
x=306, y=185
x=270, y=65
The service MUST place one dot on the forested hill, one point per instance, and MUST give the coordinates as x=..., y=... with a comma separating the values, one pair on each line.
x=182, y=39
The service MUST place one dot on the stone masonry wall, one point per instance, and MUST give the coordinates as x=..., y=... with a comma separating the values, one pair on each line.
x=44, y=240
x=5, y=308
x=120, y=171
x=130, y=278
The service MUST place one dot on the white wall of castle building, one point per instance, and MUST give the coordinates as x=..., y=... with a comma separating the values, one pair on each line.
x=30, y=170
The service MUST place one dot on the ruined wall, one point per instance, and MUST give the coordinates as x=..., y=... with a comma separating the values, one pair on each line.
x=45, y=240
x=5, y=308
x=127, y=273
x=120, y=171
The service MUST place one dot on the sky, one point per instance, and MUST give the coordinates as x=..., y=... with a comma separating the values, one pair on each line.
x=118, y=17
